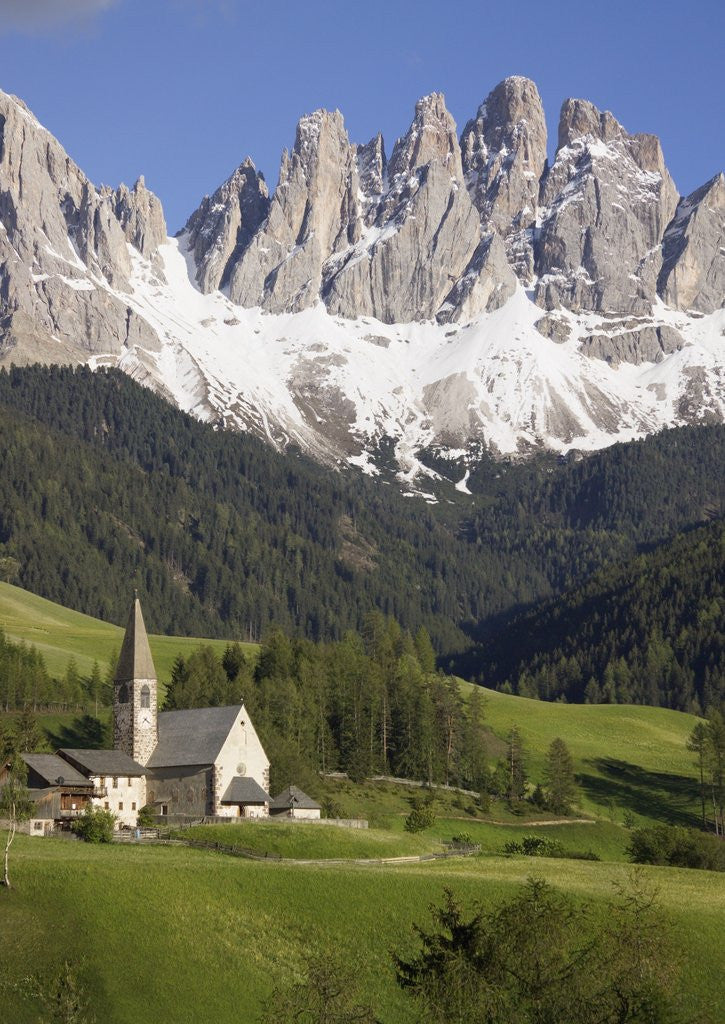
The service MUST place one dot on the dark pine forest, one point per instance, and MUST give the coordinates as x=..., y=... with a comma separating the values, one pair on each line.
x=105, y=486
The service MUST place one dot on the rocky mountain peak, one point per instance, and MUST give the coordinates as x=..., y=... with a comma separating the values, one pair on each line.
x=63, y=250
x=693, y=264
x=141, y=217
x=607, y=200
x=371, y=167
x=314, y=211
x=579, y=118
x=504, y=154
x=224, y=224
x=432, y=136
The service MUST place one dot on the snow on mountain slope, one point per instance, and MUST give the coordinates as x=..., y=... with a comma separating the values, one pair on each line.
x=339, y=388
x=462, y=295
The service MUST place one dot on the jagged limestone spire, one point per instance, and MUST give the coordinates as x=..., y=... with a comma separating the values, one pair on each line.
x=135, y=661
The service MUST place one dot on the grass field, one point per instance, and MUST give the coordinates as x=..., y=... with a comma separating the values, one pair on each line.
x=59, y=634
x=313, y=842
x=607, y=841
x=626, y=756
x=174, y=934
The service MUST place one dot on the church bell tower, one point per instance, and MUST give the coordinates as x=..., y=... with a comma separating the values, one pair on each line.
x=135, y=701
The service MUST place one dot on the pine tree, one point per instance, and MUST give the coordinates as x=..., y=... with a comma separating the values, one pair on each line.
x=559, y=777
x=29, y=735
x=697, y=744
x=95, y=687
x=473, y=753
x=515, y=768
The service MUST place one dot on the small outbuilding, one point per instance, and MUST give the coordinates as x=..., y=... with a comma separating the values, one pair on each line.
x=293, y=803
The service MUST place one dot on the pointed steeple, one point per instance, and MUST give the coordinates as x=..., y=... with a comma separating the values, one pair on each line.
x=135, y=661
x=135, y=697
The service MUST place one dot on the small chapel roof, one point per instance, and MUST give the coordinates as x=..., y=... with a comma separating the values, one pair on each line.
x=192, y=737
x=244, y=790
x=102, y=762
x=293, y=797
x=54, y=771
x=135, y=661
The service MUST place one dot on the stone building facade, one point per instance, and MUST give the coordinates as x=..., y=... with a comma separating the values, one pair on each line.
x=185, y=764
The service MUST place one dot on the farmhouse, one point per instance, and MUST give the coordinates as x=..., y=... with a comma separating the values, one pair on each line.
x=293, y=803
x=196, y=763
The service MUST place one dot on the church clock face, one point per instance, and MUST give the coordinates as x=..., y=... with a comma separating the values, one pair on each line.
x=146, y=719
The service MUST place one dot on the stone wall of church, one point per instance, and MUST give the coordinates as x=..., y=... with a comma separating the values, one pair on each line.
x=182, y=790
x=131, y=734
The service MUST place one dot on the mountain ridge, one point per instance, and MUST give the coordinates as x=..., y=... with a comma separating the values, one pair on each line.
x=463, y=294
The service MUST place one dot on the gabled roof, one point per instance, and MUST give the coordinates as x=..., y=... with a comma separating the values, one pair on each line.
x=192, y=737
x=102, y=762
x=135, y=661
x=244, y=790
x=54, y=770
x=293, y=797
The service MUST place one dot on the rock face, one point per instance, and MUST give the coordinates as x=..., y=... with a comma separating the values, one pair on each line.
x=434, y=242
x=389, y=240
x=607, y=201
x=504, y=154
x=693, y=267
x=422, y=235
x=648, y=344
x=314, y=212
x=225, y=223
x=63, y=247
x=141, y=217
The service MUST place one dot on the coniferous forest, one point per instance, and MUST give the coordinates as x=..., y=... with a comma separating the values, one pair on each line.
x=105, y=486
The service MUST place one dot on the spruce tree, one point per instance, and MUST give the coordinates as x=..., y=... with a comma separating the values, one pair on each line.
x=515, y=768
x=559, y=777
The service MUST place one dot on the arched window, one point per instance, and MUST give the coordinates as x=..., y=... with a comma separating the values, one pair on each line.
x=123, y=694
x=145, y=696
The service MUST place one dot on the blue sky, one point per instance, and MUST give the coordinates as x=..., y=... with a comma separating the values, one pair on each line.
x=183, y=90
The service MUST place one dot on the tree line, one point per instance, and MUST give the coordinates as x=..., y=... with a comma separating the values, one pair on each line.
x=371, y=704
x=25, y=682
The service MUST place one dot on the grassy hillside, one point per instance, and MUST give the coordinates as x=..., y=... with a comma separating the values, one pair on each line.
x=201, y=936
x=60, y=633
x=634, y=756
x=303, y=842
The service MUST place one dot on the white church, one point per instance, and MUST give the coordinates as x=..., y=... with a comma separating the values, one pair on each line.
x=201, y=763
x=206, y=762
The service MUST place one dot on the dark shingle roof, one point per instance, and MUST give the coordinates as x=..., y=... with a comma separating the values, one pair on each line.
x=244, y=790
x=135, y=661
x=103, y=762
x=293, y=797
x=192, y=737
x=51, y=768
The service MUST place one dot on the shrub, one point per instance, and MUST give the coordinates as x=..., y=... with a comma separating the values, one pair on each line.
x=146, y=816
x=95, y=825
x=677, y=847
x=535, y=846
x=421, y=817
x=462, y=839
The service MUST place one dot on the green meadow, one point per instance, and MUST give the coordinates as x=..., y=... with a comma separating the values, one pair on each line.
x=61, y=634
x=626, y=757
x=184, y=935
x=301, y=841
